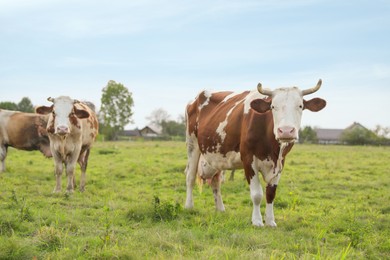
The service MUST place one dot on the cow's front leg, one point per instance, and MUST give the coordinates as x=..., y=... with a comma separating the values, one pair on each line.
x=216, y=186
x=58, y=172
x=256, y=195
x=70, y=175
x=270, y=196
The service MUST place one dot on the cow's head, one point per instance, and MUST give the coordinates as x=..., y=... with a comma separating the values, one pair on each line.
x=64, y=115
x=287, y=105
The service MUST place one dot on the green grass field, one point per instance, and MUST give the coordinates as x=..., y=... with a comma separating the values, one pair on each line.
x=333, y=202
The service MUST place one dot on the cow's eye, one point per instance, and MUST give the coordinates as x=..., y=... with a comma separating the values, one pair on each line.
x=272, y=107
x=301, y=106
x=53, y=112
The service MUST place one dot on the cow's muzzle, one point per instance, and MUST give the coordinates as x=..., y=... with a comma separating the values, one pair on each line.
x=287, y=134
x=62, y=130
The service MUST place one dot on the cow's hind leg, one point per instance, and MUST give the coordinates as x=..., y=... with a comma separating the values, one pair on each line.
x=83, y=162
x=191, y=170
x=216, y=186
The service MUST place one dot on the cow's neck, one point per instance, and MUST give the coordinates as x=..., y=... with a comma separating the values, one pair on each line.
x=279, y=163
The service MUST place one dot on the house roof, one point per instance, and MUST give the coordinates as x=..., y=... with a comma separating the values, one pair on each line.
x=134, y=132
x=329, y=134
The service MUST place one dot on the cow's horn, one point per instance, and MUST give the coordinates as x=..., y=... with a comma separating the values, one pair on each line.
x=50, y=99
x=312, y=90
x=263, y=91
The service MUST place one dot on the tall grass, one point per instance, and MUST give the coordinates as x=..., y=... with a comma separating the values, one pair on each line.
x=332, y=203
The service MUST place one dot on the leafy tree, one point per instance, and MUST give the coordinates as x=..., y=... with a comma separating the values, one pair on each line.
x=25, y=105
x=173, y=128
x=157, y=117
x=8, y=105
x=358, y=136
x=308, y=135
x=116, y=109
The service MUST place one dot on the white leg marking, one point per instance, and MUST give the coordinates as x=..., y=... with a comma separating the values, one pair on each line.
x=256, y=195
x=269, y=215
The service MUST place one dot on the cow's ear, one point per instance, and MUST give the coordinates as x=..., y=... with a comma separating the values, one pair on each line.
x=81, y=113
x=43, y=110
x=314, y=105
x=261, y=105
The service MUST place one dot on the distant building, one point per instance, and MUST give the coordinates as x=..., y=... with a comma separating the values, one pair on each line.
x=333, y=136
x=329, y=136
x=146, y=132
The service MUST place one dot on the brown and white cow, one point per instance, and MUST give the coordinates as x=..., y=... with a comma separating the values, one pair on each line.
x=253, y=130
x=23, y=131
x=72, y=128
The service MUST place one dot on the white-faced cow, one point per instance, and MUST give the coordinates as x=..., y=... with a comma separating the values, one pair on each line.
x=23, y=131
x=72, y=129
x=253, y=130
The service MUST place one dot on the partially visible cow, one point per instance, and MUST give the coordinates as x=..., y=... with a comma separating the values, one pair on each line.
x=24, y=131
x=253, y=130
x=72, y=128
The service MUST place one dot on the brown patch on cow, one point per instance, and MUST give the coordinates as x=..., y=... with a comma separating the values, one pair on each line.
x=50, y=126
x=74, y=120
x=270, y=193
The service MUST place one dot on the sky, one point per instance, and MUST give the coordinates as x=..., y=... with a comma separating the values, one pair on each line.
x=166, y=52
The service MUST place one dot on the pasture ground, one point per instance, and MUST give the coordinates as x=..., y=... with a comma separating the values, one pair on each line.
x=333, y=202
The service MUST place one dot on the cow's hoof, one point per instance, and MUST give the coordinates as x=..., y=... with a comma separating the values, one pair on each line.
x=270, y=224
x=56, y=191
x=257, y=223
x=69, y=192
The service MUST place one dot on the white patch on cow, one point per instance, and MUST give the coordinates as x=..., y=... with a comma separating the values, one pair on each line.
x=269, y=215
x=218, y=161
x=207, y=94
x=269, y=170
x=221, y=127
x=232, y=95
